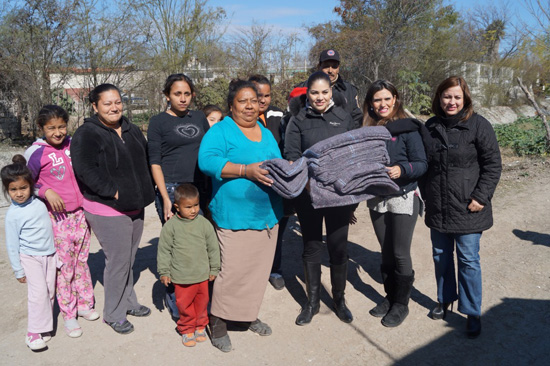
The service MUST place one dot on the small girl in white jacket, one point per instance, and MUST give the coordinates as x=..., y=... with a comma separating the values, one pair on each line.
x=29, y=240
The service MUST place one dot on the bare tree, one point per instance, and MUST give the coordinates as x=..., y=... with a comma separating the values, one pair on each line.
x=285, y=54
x=251, y=48
x=108, y=49
x=535, y=105
x=34, y=39
x=378, y=38
x=491, y=25
x=178, y=29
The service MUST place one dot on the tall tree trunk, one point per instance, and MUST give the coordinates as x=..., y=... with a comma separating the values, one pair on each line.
x=531, y=99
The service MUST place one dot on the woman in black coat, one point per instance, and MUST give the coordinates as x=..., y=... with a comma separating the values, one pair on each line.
x=464, y=167
x=321, y=118
x=394, y=217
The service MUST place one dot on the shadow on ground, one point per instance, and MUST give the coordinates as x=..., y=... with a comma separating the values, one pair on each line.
x=361, y=259
x=146, y=259
x=517, y=329
x=534, y=237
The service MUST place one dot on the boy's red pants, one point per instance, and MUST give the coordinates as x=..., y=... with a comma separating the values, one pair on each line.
x=192, y=303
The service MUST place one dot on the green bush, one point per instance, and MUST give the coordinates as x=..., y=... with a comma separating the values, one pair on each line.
x=142, y=118
x=215, y=92
x=526, y=136
x=414, y=92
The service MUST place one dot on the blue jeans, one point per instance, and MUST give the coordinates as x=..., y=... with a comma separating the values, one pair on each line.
x=159, y=203
x=469, y=270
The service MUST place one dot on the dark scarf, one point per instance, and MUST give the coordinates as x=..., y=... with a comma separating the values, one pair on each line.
x=450, y=122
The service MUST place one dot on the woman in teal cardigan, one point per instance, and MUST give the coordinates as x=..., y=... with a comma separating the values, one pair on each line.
x=245, y=210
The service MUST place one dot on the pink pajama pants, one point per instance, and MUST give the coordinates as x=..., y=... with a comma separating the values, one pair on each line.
x=72, y=243
x=40, y=273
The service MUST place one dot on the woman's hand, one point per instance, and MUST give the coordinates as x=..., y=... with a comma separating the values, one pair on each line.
x=254, y=172
x=165, y=280
x=116, y=195
x=211, y=278
x=475, y=206
x=167, y=208
x=22, y=279
x=394, y=172
x=55, y=201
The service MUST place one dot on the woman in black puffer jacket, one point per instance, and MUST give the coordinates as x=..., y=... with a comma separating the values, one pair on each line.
x=394, y=217
x=464, y=167
x=320, y=118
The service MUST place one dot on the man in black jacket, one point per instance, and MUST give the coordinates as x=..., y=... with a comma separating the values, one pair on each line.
x=329, y=63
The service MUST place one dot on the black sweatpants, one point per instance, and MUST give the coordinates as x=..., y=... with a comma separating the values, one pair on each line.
x=394, y=233
x=311, y=223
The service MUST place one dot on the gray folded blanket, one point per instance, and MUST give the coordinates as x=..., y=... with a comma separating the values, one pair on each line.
x=348, y=138
x=367, y=149
x=358, y=180
x=343, y=170
x=330, y=172
x=289, y=180
x=326, y=196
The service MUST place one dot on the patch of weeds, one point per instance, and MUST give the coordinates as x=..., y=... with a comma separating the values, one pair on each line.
x=526, y=136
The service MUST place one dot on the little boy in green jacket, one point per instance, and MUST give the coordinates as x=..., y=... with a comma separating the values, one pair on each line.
x=188, y=257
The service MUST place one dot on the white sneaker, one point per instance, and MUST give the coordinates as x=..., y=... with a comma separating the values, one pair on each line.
x=72, y=328
x=35, y=342
x=88, y=315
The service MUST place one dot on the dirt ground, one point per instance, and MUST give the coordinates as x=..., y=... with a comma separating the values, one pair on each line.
x=515, y=257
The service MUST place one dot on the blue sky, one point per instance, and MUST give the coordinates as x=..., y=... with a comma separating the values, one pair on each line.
x=278, y=13
x=281, y=15
x=293, y=15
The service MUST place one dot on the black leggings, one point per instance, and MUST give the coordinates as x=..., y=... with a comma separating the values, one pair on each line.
x=394, y=233
x=311, y=223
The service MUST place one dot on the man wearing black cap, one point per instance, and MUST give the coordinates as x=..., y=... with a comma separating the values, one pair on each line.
x=329, y=63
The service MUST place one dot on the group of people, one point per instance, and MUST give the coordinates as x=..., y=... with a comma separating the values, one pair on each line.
x=222, y=223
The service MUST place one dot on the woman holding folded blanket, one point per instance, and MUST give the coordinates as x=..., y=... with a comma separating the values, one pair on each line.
x=394, y=216
x=245, y=209
x=320, y=118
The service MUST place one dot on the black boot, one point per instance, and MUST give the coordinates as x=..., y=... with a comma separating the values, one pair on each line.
x=473, y=326
x=400, y=308
x=382, y=308
x=312, y=274
x=338, y=278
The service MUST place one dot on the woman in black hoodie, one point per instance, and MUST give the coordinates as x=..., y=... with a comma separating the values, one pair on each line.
x=321, y=118
x=110, y=162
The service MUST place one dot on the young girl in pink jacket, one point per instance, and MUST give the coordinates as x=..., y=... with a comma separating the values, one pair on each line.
x=49, y=160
